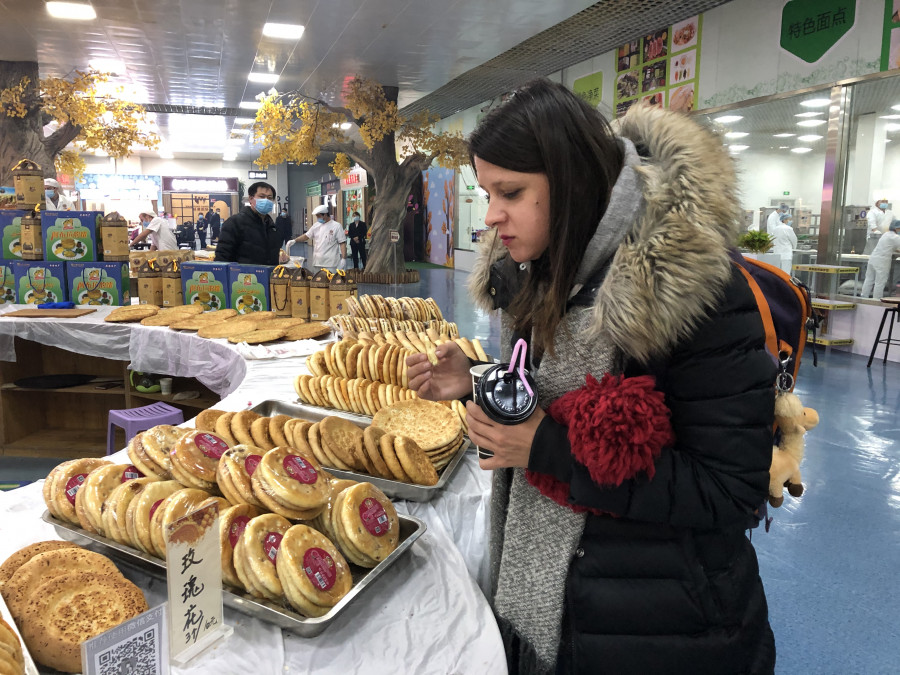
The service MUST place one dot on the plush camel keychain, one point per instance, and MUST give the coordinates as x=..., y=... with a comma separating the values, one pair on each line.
x=793, y=420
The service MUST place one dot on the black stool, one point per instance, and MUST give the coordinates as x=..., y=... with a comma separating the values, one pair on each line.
x=893, y=307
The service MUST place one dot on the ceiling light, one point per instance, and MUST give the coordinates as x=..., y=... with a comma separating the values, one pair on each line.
x=736, y=134
x=244, y=120
x=895, y=107
x=892, y=127
x=346, y=125
x=71, y=10
x=783, y=147
x=250, y=105
x=811, y=123
x=728, y=119
x=108, y=66
x=783, y=135
x=816, y=103
x=738, y=148
x=889, y=117
x=263, y=78
x=809, y=138
x=809, y=114
x=801, y=151
x=283, y=31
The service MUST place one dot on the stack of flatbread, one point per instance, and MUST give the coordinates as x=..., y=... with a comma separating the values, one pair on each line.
x=435, y=428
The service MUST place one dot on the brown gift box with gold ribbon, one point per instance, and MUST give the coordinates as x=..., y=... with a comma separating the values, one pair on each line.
x=280, y=291
x=300, y=277
x=319, y=305
x=172, y=290
x=150, y=283
x=31, y=239
x=340, y=288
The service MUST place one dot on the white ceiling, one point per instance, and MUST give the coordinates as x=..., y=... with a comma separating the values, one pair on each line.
x=197, y=53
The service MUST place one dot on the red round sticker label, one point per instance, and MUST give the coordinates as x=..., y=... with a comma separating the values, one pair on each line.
x=130, y=473
x=299, y=469
x=237, y=529
x=319, y=568
x=74, y=485
x=271, y=544
x=374, y=518
x=154, y=507
x=251, y=463
x=211, y=446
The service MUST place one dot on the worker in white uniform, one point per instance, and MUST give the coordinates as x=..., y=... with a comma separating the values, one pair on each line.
x=774, y=219
x=160, y=231
x=880, y=260
x=878, y=219
x=784, y=240
x=56, y=200
x=328, y=241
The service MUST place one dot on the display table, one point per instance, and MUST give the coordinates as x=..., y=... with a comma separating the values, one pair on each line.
x=426, y=615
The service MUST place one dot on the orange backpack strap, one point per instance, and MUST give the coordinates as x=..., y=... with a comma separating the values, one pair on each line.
x=771, y=339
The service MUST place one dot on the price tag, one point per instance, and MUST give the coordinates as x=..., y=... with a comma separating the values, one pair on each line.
x=136, y=646
x=395, y=236
x=194, y=565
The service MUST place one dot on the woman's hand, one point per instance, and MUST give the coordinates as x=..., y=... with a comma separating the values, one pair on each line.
x=511, y=444
x=447, y=380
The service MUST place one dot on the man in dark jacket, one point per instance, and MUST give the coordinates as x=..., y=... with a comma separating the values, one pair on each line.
x=250, y=236
x=215, y=224
x=357, y=234
x=201, y=230
x=284, y=225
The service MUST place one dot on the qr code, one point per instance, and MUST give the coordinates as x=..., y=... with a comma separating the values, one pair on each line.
x=137, y=655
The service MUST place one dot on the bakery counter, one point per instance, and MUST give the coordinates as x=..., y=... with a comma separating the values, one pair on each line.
x=427, y=614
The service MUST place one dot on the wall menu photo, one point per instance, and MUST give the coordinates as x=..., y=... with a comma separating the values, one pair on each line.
x=660, y=69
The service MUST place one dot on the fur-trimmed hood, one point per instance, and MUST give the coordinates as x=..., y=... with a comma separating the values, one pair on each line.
x=672, y=265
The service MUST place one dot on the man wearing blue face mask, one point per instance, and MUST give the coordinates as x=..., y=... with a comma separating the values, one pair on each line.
x=250, y=236
x=328, y=240
x=56, y=200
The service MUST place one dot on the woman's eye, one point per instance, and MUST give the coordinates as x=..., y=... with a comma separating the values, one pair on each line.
x=511, y=195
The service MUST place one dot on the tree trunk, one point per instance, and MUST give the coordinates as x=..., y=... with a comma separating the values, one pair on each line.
x=22, y=137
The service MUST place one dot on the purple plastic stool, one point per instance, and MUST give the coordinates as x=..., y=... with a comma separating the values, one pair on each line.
x=134, y=420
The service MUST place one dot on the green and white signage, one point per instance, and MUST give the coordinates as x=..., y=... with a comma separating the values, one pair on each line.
x=809, y=28
x=590, y=88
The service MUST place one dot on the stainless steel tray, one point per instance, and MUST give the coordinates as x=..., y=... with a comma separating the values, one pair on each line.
x=392, y=488
x=282, y=616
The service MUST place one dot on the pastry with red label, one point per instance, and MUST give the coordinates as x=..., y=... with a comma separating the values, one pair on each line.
x=96, y=488
x=233, y=474
x=175, y=506
x=195, y=458
x=365, y=524
x=313, y=573
x=113, y=513
x=232, y=522
x=158, y=442
x=67, y=480
x=256, y=555
x=322, y=522
x=139, y=457
x=141, y=509
x=289, y=482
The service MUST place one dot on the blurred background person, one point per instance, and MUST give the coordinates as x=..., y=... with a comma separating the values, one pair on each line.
x=357, y=234
x=880, y=261
x=879, y=219
x=284, y=225
x=784, y=241
x=56, y=200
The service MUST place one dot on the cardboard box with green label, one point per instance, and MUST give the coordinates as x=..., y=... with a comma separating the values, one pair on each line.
x=249, y=287
x=205, y=284
x=70, y=236
x=7, y=283
x=99, y=283
x=40, y=282
x=11, y=230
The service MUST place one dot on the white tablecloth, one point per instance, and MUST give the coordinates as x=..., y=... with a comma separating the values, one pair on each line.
x=426, y=615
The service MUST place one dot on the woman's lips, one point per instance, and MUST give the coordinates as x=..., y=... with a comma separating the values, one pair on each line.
x=505, y=240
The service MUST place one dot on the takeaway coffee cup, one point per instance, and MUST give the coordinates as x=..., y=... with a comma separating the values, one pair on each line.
x=476, y=372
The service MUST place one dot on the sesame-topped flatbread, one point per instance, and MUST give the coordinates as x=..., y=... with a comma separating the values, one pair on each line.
x=259, y=336
x=200, y=320
x=131, y=313
x=307, y=331
x=431, y=425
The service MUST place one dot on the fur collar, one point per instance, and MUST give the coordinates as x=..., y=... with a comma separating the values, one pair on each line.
x=673, y=265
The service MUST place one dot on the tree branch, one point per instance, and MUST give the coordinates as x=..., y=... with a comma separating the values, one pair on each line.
x=60, y=138
x=362, y=156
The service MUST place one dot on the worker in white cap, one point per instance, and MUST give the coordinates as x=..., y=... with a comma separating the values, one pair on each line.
x=56, y=200
x=160, y=231
x=328, y=240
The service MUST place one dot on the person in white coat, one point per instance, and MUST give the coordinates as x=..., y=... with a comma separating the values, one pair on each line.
x=880, y=260
x=784, y=241
x=56, y=200
x=774, y=219
x=328, y=240
x=878, y=219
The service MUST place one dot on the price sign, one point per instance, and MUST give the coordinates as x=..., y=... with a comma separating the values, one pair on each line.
x=136, y=646
x=395, y=236
x=194, y=565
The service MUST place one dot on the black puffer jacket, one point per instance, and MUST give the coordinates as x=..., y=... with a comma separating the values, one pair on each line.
x=249, y=238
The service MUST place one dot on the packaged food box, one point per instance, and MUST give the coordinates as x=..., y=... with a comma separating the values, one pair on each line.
x=99, y=283
x=11, y=229
x=205, y=283
x=319, y=297
x=249, y=287
x=70, y=236
x=150, y=283
x=38, y=282
x=7, y=283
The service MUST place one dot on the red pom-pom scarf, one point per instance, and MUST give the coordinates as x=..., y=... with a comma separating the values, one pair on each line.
x=617, y=427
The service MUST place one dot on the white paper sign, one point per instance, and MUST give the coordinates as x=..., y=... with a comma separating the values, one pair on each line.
x=139, y=645
x=195, y=583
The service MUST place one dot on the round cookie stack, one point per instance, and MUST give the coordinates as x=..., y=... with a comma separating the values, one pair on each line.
x=142, y=509
x=291, y=484
x=435, y=428
x=233, y=474
x=232, y=523
x=363, y=524
x=313, y=573
x=195, y=459
x=96, y=488
x=62, y=485
x=255, y=555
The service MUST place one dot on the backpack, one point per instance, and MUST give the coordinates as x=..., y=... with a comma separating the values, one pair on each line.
x=787, y=313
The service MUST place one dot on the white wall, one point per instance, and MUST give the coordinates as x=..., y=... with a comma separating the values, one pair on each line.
x=766, y=175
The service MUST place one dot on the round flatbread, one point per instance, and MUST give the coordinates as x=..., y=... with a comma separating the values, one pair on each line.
x=295, y=479
x=114, y=513
x=206, y=420
x=256, y=555
x=339, y=438
x=233, y=474
x=368, y=519
x=66, y=484
x=314, y=566
x=131, y=313
x=96, y=488
x=240, y=426
x=23, y=555
x=142, y=509
x=259, y=336
x=431, y=425
x=307, y=331
x=232, y=522
x=414, y=461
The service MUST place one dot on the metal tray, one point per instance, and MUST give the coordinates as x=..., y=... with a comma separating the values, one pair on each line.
x=282, y=616
x=392, y=488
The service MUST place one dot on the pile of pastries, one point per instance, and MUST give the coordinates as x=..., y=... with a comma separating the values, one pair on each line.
x=60, y=595
x=266, y=496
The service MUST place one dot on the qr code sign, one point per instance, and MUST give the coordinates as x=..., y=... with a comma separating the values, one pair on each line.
x=136, y=655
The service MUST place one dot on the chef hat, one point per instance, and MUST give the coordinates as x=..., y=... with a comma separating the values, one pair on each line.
x=52, y=182
x=895, y=225
x=147, y=213
x=320, y=209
